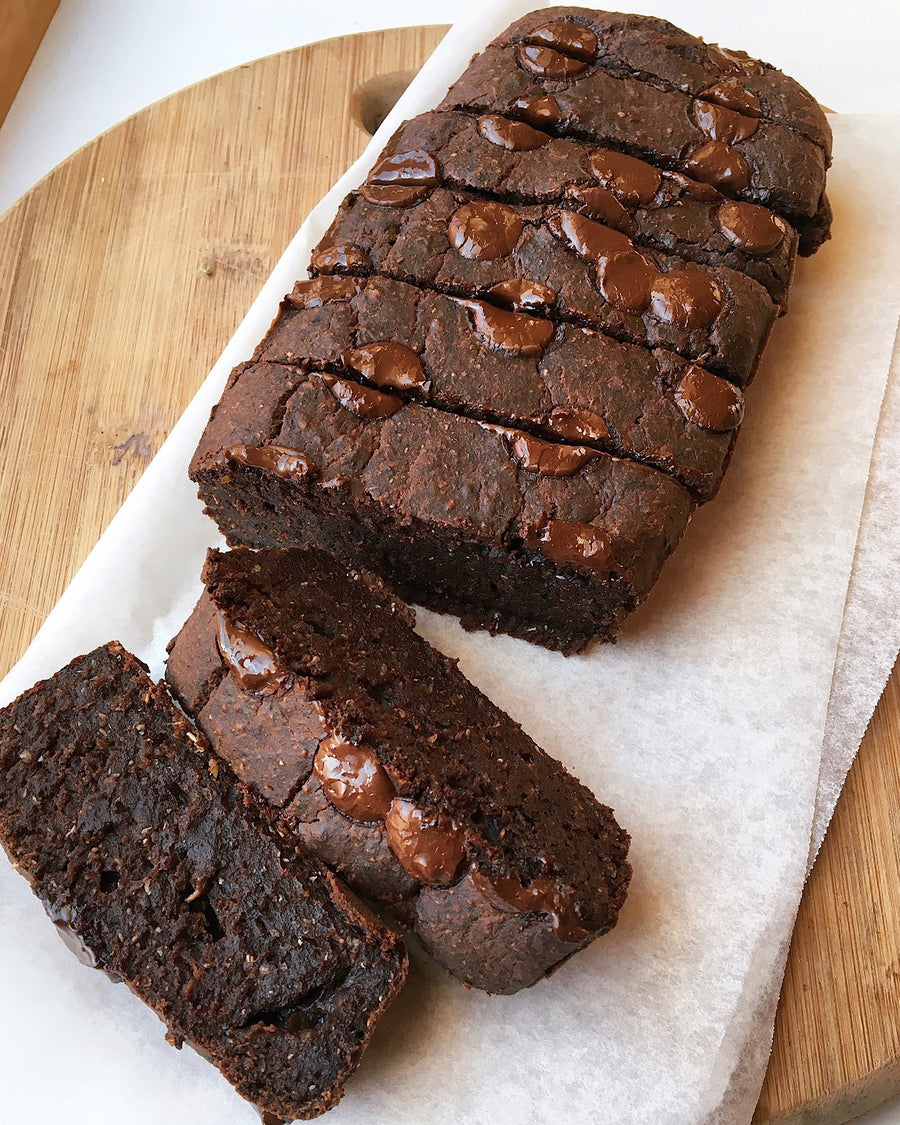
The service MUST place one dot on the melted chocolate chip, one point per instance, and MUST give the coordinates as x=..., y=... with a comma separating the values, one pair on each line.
x=289, y=464
x=627, y=280
x=516, y=136
x=546, y=63
x=567, y=37
x=353, y=779
x=542, y=895
x=365, y=402
x=341, y=256
x=732, y=95
x=485, y=230
x=572, y=423
x=539, y=112
x=546, y=458
x=401, y=179
x=705, y=192
x=723, y=124
x=739, y=62
x=631, y=179
x=708, y=401
x=507, y=331
x=252, y=663
x=311, y=294
x=718, y=163
x=388, y=365
x=685, y=298
x=599, y=203
x=580, y=545
x=518, y=294
x=750, y=226
x=587, y=238
x=430, y=848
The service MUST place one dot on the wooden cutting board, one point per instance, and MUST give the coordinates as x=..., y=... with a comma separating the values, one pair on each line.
x=122, y=275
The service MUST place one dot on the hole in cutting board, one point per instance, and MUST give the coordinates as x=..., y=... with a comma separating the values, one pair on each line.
x=371, y=102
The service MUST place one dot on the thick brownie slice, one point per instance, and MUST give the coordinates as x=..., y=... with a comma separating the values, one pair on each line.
x=394, y=769
x=561, y=382
x=554, y=543
x=143, y=847
x=590, y=273
x=513, y=162
x=557, y=67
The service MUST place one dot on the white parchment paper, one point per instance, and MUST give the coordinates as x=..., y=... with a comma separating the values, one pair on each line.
x=703, y=727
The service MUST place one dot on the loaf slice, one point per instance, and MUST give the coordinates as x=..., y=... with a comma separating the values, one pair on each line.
x=564, y=383
x=143, y=847
x=394, y=769
x=554, y=543
x=515, y=161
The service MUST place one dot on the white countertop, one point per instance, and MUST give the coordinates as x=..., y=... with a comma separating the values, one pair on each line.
x=102, y=60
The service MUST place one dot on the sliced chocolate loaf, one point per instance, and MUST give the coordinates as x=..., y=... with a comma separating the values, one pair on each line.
x=591, y=274
x=511, y=162
x=145, y=849
x=389, y=765
x=644, y=87
x=558, y=381
x=551, y=542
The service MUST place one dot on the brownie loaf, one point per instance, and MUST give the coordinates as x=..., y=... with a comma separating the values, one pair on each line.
x=171, y=875
x=512, y=162
x=644, y=87
x=584, y=250
x=588, y=272
x=569, y=385
x=554, y=543
x=390, y=766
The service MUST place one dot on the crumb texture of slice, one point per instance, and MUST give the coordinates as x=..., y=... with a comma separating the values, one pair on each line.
x=408, y=781
x=146, y=851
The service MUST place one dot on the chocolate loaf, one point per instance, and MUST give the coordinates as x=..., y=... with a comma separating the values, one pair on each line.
x=582, y=252
x=171, y=875
x=642, y=86
x=388, y=764
x=554, y=543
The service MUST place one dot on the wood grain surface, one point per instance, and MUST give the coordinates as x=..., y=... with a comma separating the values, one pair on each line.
x=122, y=275
x=22, y=27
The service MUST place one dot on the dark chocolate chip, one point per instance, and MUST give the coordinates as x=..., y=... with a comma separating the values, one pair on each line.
x=750, y=226
x=353, y=779
x=311, y=294
x=731, y=94
x=401, y=179
x=516, y=136
x=430, y=848
x=719, y=164
x=519, y=294
x=708, y=401
x=546, y=63
x=588, y=239
x=541, y=895
x=567, y=37
x=289, y=464
x=546, y=458
x=573, y=423
x=388, y=364
x=365, y=402
x=570, y=542
x=252, y=663
x=539, y=112
x=738, y=62
x=631, y=179
x=705, y=192
x=507, y=331
x=485, y=230
x=685, y=298
x=599, y=203
x=723, y=124
x=341, y=256
x=627, y=279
